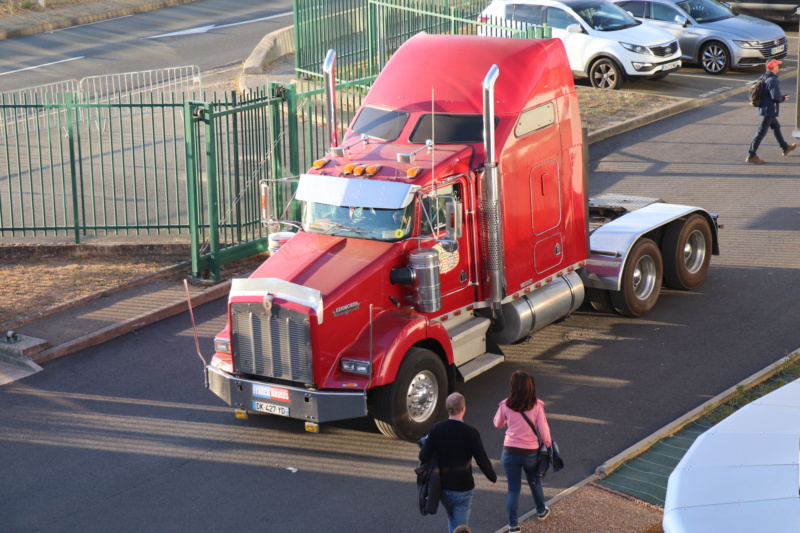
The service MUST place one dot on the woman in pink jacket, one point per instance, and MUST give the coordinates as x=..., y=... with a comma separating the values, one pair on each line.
x=521, y=447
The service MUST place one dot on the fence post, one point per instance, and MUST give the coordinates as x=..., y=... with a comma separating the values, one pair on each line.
x=212, y=187
x=71, y=108
x=192, y=180
x=294, y=145
x=372, y=37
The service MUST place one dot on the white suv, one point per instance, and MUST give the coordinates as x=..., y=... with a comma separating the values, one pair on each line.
x=603, y=42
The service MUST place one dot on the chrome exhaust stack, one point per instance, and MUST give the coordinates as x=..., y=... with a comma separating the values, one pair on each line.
x=330, y=96
x=491, y=214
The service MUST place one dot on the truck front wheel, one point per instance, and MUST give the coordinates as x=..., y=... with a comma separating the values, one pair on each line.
x=687, y=252
x=406, y=408
x=641, y=280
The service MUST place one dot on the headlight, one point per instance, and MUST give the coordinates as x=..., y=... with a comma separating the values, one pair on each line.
x=356, y=367
x=636, y=48
x=222, y=345
x=642, y=66
x=747, y=44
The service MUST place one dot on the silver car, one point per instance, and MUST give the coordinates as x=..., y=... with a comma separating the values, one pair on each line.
x=711, y=35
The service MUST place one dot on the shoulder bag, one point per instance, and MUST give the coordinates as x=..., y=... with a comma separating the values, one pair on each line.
x=547, y=456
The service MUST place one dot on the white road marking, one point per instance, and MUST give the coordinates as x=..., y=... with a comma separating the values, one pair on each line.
x=40, y=66
x=205, y=29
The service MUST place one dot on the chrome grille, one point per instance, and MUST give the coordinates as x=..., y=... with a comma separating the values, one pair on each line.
x=765, y=46
x=665, y=50
x=277, y=346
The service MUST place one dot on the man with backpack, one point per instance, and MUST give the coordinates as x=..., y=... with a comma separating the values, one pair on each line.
x=768, y=108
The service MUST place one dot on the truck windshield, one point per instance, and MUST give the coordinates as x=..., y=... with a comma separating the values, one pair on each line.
x=359, y=222
x=448, y=129
x=382, y=124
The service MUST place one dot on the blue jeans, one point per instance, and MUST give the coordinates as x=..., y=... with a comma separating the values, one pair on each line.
x=458, y=504
x=764, y=125
x=514, y=465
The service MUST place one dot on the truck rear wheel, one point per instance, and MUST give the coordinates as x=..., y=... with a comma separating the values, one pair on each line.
x=687, y=252
x=641, y=280
x=407, y=408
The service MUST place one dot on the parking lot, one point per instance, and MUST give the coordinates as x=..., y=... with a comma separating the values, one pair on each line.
x=692, y=82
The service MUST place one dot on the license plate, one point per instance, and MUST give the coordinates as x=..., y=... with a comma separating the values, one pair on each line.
x=777, y=49
x=671, y=66
x=271, y=408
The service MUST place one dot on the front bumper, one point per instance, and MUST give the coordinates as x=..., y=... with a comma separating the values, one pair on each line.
x=641, y=69
x=292, y=402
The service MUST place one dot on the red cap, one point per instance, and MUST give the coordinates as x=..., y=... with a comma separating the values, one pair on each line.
x=774, y=63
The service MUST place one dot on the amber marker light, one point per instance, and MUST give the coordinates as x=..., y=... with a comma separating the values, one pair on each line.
x=359, y=170
x=413, y=172
x=372, y=170
x=348, y=168
x=319, y=163
x=408, y=311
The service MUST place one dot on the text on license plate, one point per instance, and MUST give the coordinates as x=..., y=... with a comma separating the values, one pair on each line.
x=777, y=49
x=670, y=66
x=271, y=408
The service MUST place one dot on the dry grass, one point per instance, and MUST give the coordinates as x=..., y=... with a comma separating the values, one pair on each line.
x=37, y=284
x=600, y=109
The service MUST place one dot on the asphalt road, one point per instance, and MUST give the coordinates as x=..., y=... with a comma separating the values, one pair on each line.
x=210, y=34
x=124, y=435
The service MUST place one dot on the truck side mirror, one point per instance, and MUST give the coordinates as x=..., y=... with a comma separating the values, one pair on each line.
x=453, y=225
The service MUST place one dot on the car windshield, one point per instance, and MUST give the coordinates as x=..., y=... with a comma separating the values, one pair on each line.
x=383, y=124
x=604, y=16
x=359, y=222
x=705, y=11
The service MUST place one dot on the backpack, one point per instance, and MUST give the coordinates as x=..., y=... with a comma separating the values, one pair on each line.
x=756, y=91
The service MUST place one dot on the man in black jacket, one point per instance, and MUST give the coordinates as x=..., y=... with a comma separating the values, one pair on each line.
x=771, y=99
x=456, y=443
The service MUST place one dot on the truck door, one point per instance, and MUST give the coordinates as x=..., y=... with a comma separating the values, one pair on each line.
x=545, y=186
x=455, y=273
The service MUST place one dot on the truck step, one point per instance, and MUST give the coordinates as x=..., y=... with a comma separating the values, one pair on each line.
x=475, y=325
x=479, y=365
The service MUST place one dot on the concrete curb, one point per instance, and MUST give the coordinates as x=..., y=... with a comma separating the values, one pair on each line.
x=133, y=323
x=77, y=21
x=271, y=48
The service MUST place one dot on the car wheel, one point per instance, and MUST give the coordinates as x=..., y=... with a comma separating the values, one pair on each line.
x=605, y=74
x=715, y=58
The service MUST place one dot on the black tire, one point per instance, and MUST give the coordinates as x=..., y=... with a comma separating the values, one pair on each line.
x=407, y=408
x=599, y=299
x=641, y=280
x=687, y=252
x=715, y=58
x=605, y=74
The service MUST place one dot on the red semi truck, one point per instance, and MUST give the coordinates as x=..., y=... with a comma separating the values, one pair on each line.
x=453, y=218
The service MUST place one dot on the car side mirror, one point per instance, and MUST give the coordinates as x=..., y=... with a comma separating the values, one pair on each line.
x=574, y=28
x=683, y=21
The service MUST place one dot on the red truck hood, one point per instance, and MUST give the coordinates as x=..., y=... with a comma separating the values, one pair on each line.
x=332, y=265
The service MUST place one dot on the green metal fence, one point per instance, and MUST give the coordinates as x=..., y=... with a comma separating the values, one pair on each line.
x=65, y=174
x=365, y=33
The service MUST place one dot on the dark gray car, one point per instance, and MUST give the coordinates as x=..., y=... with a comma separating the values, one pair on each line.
x=711, y=35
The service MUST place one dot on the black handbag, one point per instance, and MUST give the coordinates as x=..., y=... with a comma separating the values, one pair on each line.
x=545, y=453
